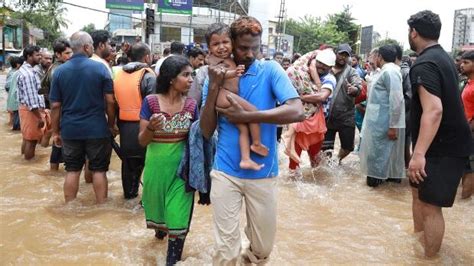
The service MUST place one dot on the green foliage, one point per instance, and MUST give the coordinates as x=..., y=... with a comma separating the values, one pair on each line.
x=386, y=41
x=46, y=15
x=310, y=32
x=408, y=52
x=89, y=28
x=344, y=23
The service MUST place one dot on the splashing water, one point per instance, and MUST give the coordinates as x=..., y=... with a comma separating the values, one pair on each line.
x=326, y=215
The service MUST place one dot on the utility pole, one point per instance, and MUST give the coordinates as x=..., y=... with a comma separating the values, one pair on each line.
x=279, y=29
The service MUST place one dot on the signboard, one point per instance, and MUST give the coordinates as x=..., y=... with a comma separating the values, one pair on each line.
x=125, y=4
x=366, y=39
x=176, y=6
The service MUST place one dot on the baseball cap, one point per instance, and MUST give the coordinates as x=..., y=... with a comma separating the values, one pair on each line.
x=341, y=48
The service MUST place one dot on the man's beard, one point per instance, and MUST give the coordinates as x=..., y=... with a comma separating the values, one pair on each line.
x=339, y=65
x=412, y=44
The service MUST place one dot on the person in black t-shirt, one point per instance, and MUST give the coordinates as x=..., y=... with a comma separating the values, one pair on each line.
x=439, y=130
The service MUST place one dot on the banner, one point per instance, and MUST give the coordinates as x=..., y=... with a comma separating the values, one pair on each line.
x=125, y=4
x=176, y=6
x=366, y=39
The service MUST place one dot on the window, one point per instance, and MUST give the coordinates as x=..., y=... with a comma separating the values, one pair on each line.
x=170, y=34
x=199, y=35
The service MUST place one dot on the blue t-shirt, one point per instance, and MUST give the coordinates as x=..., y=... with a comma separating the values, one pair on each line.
x=80, y=86
x=264, y=83
x=328, y=81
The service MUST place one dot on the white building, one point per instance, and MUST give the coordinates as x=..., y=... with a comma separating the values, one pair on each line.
x=463, y=31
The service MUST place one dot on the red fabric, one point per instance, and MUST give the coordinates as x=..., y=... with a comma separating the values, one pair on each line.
x=468, y=100
x=363, y=93
x=311, y=130
x=313, y=151
x=29, y=123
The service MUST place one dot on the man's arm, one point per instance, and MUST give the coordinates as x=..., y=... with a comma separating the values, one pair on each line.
x=208, y=118
x=148, y=84
x=355, y=85
x=393, y=82
x=110, y=109
x=430, y=120
x=318, y=97
x=55, y=118
x=289, y=112
x=429, y=125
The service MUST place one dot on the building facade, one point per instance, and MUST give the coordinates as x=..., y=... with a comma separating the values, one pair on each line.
x=187, y=28
x=463, y=31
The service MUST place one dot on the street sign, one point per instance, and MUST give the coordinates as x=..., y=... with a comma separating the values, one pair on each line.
x=125, y=4
x=176, y=6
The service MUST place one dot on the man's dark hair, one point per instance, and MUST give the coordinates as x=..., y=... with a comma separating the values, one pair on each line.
x=399, y=51
x=60, y=45
x=100, y=36
x=356, y=56
x=195, y=52
x=30, y=50
x=166, y=51
x=388, y=53
x=169, y=70
x=177, y=48
x=468, y=55
x=245, y=25
x=426, y=23
x=277, y=53
x=138, y=51
x=413, y=54
x=286, y=59
x=406, y=59
x=16, y=60
x=216, y=28
x=123, y=60
x=295, y=57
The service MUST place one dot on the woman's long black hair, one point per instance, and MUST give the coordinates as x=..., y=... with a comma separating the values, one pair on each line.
x=170, y=69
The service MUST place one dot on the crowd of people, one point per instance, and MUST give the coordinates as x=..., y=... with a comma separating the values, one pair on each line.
x=212, y=120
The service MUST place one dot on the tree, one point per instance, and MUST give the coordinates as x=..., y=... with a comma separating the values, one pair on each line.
x=89, y=28
x=375, y=38
x=344, y=23
x=46, y=15
x=386, y=41
x=310, y=32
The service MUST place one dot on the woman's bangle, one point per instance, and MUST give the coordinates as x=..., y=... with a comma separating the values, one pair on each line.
x=149, y=128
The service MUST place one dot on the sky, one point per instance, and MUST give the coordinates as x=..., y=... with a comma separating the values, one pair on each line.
x=388, y=17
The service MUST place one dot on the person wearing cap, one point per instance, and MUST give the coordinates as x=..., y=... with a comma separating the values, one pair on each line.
x=341, y=111
x=382, y=148
x=311, y=77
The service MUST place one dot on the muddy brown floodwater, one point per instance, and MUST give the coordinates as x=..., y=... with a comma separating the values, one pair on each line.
x=327, y=216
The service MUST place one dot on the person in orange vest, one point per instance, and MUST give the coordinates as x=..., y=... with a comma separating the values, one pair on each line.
x=131, y=85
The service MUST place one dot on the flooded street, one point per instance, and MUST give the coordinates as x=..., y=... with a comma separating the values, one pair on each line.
x=328, y=216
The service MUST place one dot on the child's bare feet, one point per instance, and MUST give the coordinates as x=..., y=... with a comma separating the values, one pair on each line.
x=259, y=149
x=250, y=165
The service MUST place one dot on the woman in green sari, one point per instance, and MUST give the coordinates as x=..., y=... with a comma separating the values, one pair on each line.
x=165, y=119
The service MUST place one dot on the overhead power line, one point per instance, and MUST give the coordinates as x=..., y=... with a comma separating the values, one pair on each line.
x=102, y=11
